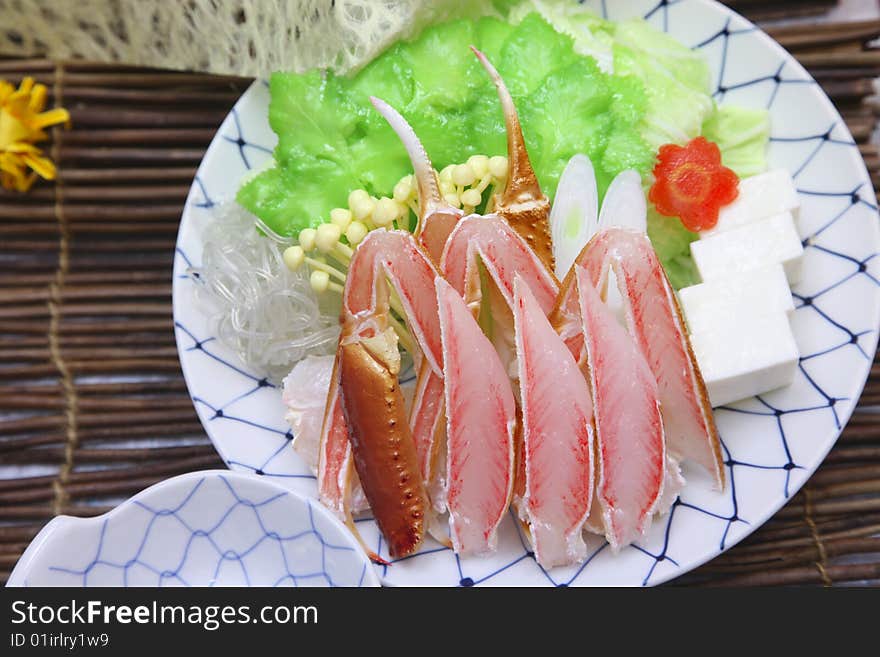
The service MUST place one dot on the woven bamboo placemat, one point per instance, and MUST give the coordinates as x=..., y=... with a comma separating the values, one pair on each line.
x=93, y=407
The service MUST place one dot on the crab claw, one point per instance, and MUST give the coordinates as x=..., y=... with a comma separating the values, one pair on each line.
x=366, y=425
x=437, y=218
x=382, y=447
x=521, y=203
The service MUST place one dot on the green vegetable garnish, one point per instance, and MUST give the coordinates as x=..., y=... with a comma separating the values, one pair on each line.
x=742, y=135
x=567, y=105
x=672, y=242
x=677, y=80
x=558, y=66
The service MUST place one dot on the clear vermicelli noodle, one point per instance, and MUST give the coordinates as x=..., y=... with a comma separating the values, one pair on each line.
x=268, y=315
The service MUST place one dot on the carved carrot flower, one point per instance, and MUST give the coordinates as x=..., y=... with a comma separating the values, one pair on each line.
x=692, y=184
x=22, y=123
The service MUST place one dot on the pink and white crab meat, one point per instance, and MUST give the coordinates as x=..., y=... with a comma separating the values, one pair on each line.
x=366, y=422
x=557, y=425
x=481, y=414
x=655, y=322
x=631, y=454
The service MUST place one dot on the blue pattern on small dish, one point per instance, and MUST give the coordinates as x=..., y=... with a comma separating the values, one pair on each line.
x=212, y=528
x=771, y=444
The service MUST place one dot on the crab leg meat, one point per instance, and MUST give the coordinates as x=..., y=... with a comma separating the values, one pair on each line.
x=504, y=254
x=393, y=254
x=655, y=322
x=521, y=203
x=557, y=415
x=425, y=421
x=481, y=419
x=368, y=393
x=436, y=220
x=631, y=450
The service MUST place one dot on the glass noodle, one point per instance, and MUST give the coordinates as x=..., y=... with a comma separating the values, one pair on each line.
x=268, y=315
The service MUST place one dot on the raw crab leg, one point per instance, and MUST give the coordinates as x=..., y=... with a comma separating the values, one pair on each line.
x=522, y=203
x=368, y=392
x=504, y=254
x=481, y=419
x=393, y=254
x=631, y=454
x=436, y=220
x=514, y=239
x=427, y=426
x=557, y=416
x=655, y=322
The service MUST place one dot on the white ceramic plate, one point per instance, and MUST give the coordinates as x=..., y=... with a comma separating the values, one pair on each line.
x=212, y=528
x=771, y=444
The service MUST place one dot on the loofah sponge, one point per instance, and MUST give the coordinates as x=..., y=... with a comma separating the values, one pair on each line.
x=243, y=37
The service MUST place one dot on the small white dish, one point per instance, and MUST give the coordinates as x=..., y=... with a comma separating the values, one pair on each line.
x=211, y=528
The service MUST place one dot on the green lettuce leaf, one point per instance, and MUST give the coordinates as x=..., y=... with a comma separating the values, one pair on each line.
x=533, y=51
x=572, y=111
x=492, y=33
x=567, y=105
x=447, y=75
x=672, y=242
x=591, y=34
x=288, y=201
x=676, y=80
x=742, y=134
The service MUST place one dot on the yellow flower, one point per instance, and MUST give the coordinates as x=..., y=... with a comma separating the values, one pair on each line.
x=22, y=120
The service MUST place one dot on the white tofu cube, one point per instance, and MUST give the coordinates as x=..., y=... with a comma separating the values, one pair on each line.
x=746, y=357
x=753, y=246
x=708, y=306
x=761, y=196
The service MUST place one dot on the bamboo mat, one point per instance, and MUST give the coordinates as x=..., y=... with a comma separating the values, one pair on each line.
x=93, y=407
